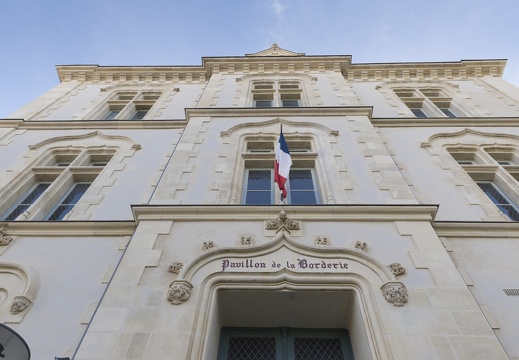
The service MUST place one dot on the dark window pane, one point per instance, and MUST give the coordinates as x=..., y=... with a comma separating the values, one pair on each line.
x=252, y=348
x=318, y=349
x=448, y=112
x=28, y=200
x=111, y=115
x=419, y=113
x=302, y=191
x=263, y=103
x=259, y=180
x=139, y=115
x=69, y=201
x=499, y=200
x=290, y=103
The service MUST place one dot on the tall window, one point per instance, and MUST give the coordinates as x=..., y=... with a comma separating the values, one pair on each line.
x=276, y=94
x=260, y=187
x=429, y=102
x=54, y=186
x=284, y=344
x=130, y=105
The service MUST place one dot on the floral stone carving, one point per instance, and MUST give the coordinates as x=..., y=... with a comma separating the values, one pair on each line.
x=175, y=267
x=282, y=222
x=321, y=241
x=246, y=240
x=4, y=239
x=179, y=292
x=359, y=245
x=396, y=269
x=20, y=303
x=395, y=293
x=207, y=245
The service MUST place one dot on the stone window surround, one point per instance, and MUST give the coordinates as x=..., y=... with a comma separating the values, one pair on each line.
x=466, y=144
x=450, y=92
x=82, y=168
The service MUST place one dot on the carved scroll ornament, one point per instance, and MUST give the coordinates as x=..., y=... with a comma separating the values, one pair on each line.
x=396, y=269
x=4, y=239
x=175, y=267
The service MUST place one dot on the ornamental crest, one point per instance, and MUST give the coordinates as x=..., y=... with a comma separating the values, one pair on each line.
x=175, y=267
x=395, y=293
x=396, y=269
x=282, y=223
x=20, y=303
x=179, y=292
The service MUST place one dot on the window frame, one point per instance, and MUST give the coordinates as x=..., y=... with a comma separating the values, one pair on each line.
x=280, y=93
x=285, y=339
x=130, y=105
x=428, y=102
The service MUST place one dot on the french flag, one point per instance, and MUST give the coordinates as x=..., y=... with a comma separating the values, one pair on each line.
x=282, y=165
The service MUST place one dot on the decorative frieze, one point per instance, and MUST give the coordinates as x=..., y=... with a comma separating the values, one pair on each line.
x=175, y=267
x=395, y=293
x=179, y=292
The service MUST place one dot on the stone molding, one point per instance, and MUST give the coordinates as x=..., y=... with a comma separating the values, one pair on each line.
x=70, y=228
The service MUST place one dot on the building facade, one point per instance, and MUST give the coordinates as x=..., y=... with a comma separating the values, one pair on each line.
x=139, y=217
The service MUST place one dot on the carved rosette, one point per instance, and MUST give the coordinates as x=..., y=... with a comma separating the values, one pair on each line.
x=282, y=222
x=321, y=241
x=20, y=303
x=359, y=245
x=179, y=292
x=395, y=293
x=396, y=269
x=175, y=267
x=4, y=239
x=246, y=241
x=207, y=245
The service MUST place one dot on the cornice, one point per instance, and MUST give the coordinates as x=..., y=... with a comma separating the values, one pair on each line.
x=446, y=122
x=92, y=124
x=69, y=228
x=406, y=71
x=369, y=213
x=505, y=229
x=280, y=111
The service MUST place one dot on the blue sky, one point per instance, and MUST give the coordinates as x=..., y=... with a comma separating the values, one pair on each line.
x=36, y=35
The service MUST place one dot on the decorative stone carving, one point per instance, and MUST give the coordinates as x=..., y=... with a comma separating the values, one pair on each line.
x=179, y=292
x=321, y=241
x=396, y=269
x=359, y=245
x=282, y=222
x=246, y=240
x=175, y=267
x=4, y=239
x=20, y=303
x=395, y=293
x=207, y=245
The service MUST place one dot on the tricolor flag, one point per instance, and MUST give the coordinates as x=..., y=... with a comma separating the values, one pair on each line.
x=282, y=165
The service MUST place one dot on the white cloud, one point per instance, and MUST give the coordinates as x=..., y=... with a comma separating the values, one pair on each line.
x=278, y=7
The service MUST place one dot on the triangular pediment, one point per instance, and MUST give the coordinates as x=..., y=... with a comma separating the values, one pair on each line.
x=275, y=50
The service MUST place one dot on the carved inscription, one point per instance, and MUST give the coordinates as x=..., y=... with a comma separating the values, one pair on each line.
x=299, y=264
